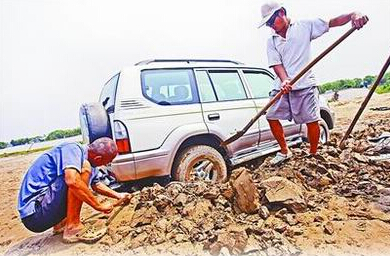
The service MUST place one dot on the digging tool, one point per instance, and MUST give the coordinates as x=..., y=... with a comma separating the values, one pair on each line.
x=365, y=102
x=293, y=81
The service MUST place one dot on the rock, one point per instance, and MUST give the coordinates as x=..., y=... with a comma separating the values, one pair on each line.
x=280, y=228
x=212, y=193
x=318, y=218
x=290, y=219
x=246, y=194
x=330, y=240
x=198, y=210
x=180, y=200
x=161, y=202
x=280, y=214
x=384, y=200
x=174, y=188
x=234, y=241
x=280, y=190
x=361, y=226
x=144, y=216
x=328, y=228
x=311, y=204
x=360, y=158
x=187, y=226
x=264, y=212
x=324, y=181
x=180, y=238
x=227, y=191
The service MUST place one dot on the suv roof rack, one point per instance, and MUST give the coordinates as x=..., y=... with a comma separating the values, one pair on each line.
x=146, y=62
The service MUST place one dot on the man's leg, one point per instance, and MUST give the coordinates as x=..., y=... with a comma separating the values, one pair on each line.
x=73, y=222
x=277, y=131
x=313, y=134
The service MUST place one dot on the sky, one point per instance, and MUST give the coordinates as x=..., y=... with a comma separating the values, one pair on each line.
x=57, y=54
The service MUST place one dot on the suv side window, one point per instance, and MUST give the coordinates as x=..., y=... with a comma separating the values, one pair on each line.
x=107, y=96
x=169, y=86
x=227, y=85
x=205, y=87
x=259, y=83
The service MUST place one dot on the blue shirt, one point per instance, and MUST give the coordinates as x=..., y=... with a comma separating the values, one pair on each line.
x=293, y=52
x=46, y=169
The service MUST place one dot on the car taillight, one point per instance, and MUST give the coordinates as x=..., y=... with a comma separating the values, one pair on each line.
x=121, y=138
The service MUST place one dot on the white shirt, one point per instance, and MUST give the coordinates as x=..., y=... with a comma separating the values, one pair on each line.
x=293, y=52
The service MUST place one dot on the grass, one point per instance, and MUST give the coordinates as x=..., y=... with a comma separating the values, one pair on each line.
x=21, y=153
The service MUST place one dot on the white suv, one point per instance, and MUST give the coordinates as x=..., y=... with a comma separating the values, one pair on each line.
x=168, y=118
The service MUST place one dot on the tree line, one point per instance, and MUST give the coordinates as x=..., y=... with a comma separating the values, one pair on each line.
x=384, y=85
x=57, y=134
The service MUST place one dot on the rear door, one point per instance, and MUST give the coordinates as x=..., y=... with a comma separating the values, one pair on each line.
x=260, y=83
x=227, y=107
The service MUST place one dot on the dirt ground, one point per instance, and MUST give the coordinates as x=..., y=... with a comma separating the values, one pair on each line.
x=332, y=224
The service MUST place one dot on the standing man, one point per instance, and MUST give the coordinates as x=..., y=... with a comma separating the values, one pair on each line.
x=288, y=51
x=57, y=183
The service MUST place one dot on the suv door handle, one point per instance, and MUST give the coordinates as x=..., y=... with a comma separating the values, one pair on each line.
x=212, y=117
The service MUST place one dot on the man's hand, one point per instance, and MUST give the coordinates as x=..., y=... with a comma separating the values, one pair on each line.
x=123, y=198
x=286, y=86
x=358, y=20
x=105, y=207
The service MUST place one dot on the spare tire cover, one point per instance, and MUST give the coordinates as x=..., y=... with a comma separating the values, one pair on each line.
x=94, y=122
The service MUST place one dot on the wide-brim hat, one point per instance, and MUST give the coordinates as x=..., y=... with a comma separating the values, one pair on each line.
x=267, y=10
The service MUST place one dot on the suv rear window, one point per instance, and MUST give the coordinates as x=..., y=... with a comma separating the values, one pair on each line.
x=107, y=96
x=169, y=86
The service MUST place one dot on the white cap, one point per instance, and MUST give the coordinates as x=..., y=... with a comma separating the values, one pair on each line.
x=267, y=10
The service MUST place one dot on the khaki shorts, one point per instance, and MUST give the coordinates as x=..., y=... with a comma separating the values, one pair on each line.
x=302, y=106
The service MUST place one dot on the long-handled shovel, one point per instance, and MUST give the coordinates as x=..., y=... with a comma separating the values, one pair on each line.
x=365, y=102
x=293, y=81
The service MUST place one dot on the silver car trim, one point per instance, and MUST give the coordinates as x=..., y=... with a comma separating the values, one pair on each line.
x=261, y=152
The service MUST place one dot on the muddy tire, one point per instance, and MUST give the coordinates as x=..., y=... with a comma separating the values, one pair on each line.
x=324, y=132
x=200, y=163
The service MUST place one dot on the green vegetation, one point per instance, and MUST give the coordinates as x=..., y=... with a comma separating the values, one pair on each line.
x=383, y=89
x=3, y=145
x=57, y=134
x=384, y=85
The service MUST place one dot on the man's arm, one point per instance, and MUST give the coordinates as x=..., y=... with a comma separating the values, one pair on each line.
x=358, y=20
x=280, y=71
x=81, y=191
x=102, y=189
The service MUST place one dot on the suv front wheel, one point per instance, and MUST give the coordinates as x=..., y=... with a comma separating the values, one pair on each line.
x=200, y=162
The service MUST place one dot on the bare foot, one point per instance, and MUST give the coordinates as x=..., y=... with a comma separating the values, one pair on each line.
x=71, y=230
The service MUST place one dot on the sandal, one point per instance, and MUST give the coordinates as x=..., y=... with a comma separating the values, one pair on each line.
x=89, y=234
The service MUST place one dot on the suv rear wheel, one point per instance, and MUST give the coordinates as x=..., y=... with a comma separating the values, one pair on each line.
x=200, y=162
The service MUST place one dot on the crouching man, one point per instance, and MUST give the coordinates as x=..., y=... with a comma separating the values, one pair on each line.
x=58, y=183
